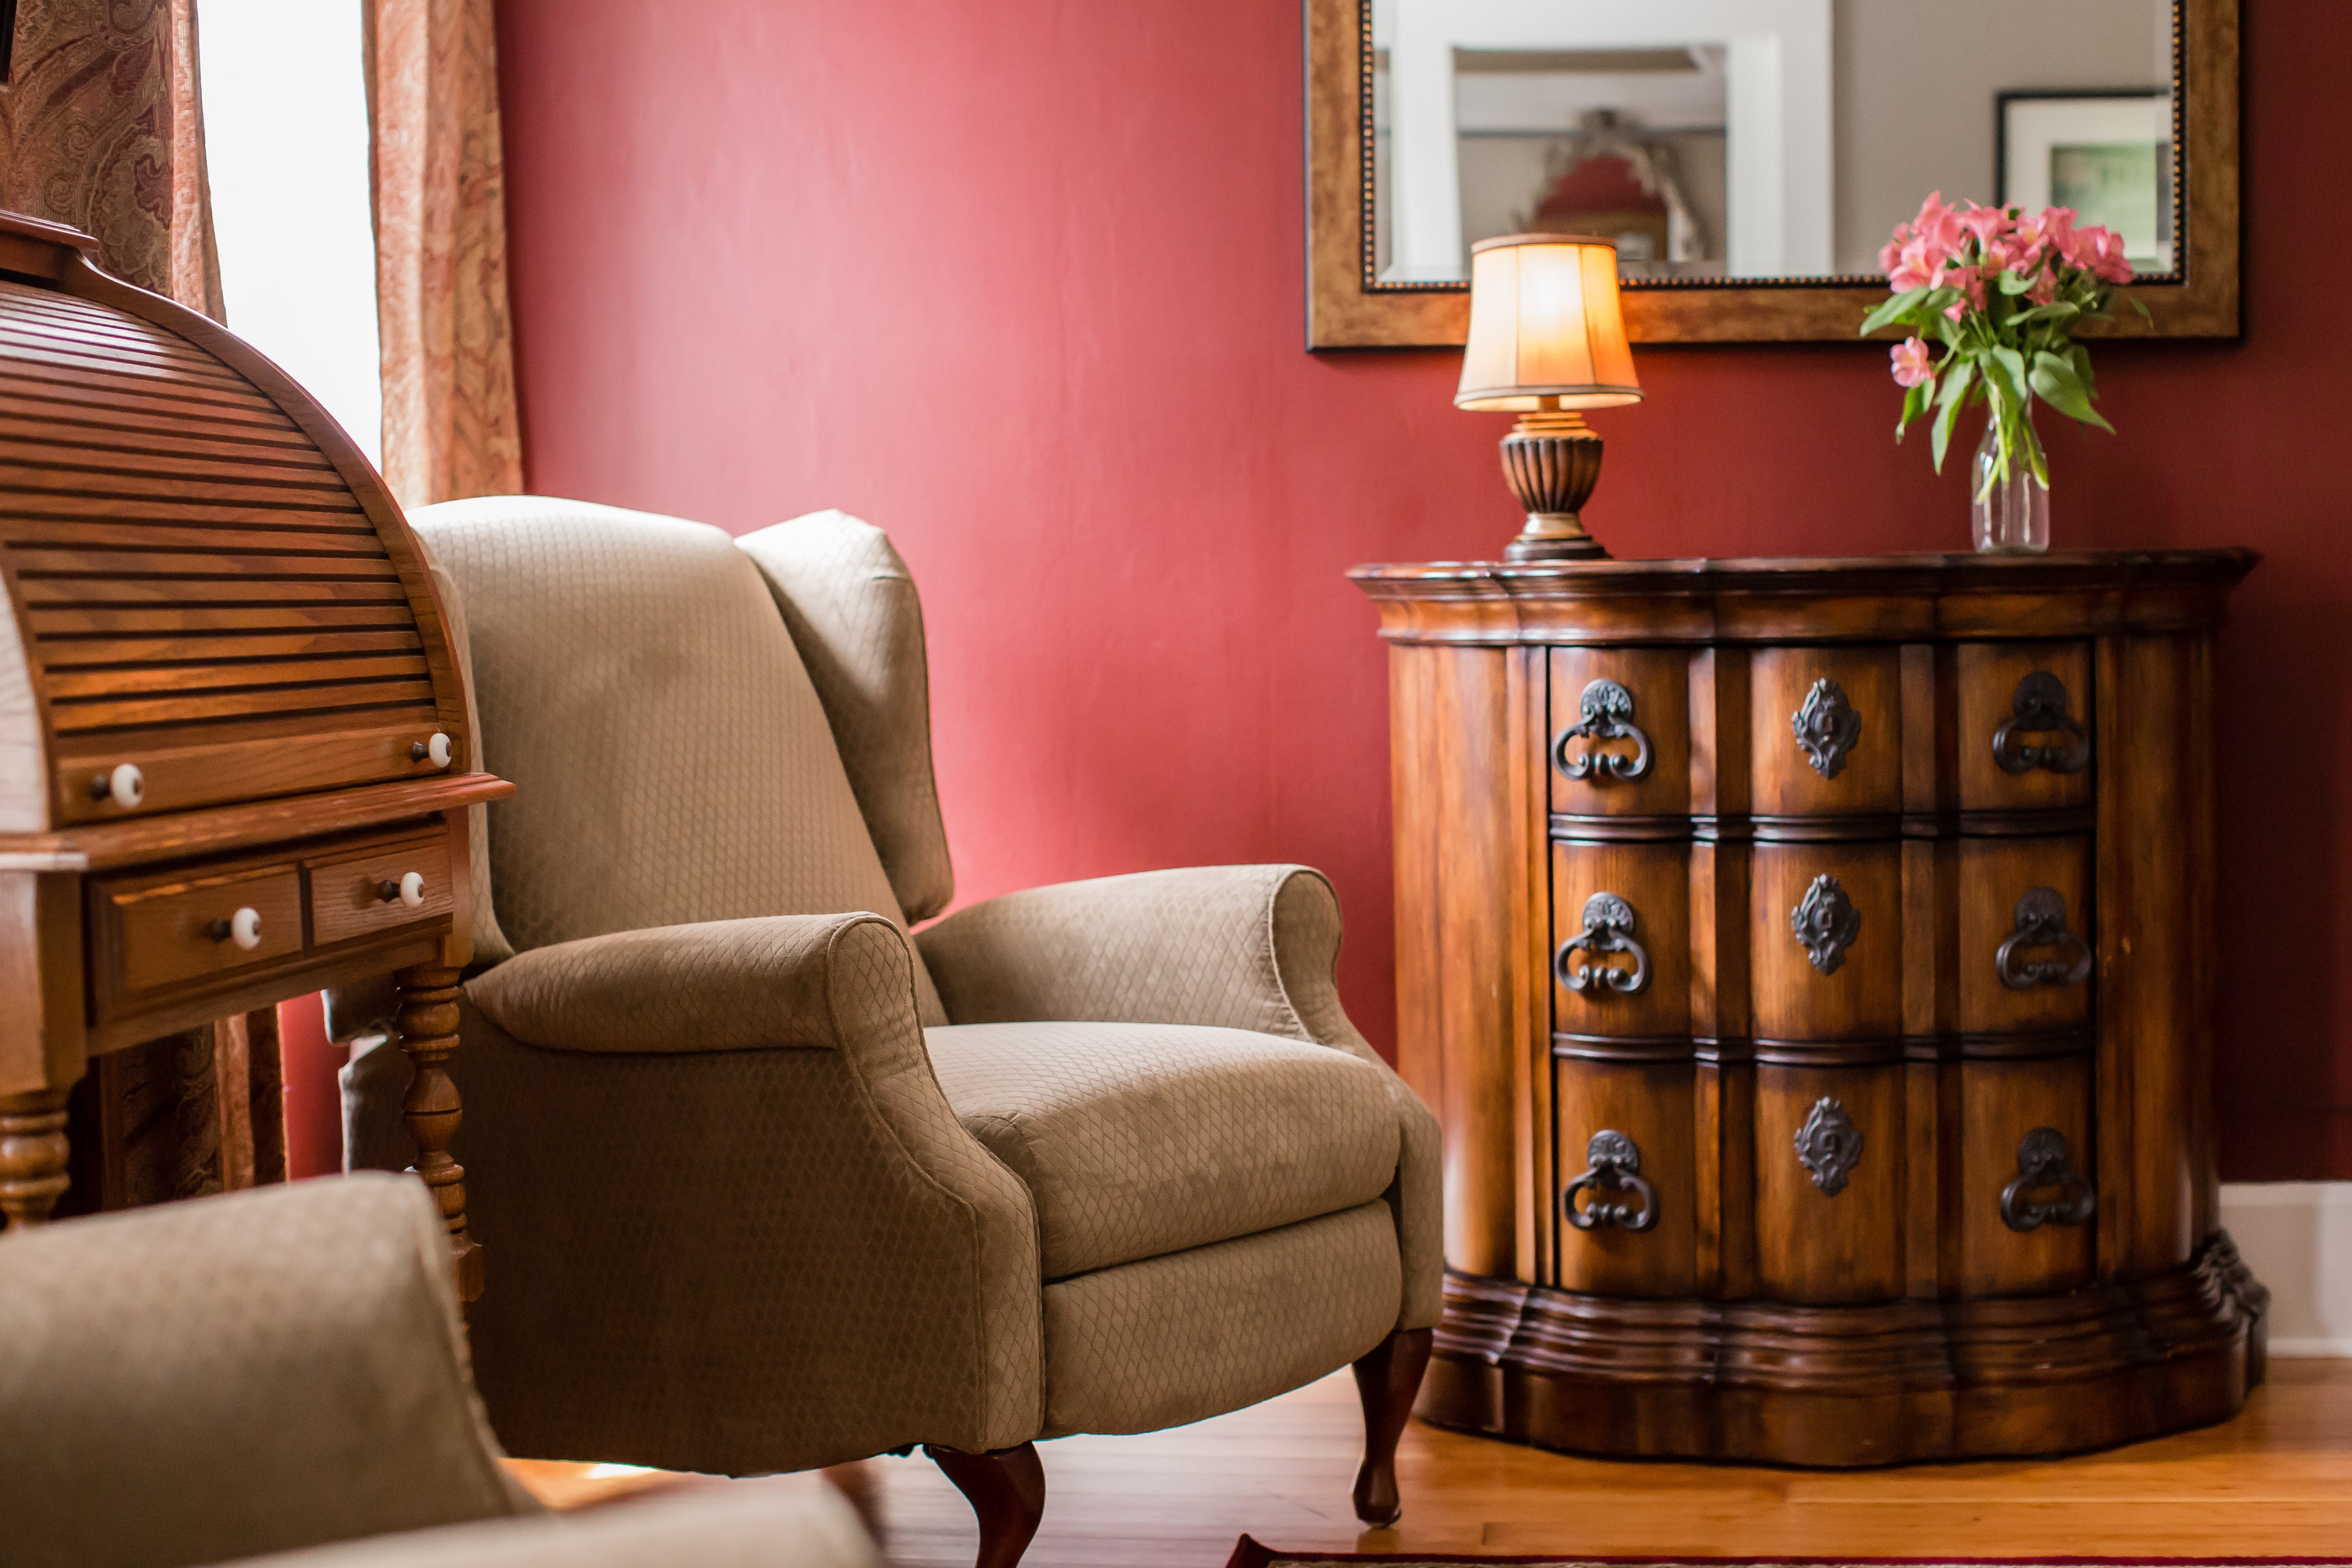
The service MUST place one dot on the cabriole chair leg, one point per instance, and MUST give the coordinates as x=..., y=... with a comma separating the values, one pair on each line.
x=1387, y=1379
x=1006, y=1489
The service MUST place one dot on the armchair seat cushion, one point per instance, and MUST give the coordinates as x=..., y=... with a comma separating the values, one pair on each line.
x=1141, y=1140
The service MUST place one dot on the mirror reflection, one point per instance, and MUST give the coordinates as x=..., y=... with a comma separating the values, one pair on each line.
x=1759, y=137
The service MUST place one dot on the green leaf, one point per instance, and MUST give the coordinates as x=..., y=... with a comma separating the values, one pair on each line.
x=2033, y=453
x=2005, y=371
x=2056, y=380
x=2056, y=310
x=2011, y=281
x=1894, y=311
x=1915, y=403
x=1948, y=408
x=2080, y=358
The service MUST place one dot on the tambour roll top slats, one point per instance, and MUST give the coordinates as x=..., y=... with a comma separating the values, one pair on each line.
x=200, y=590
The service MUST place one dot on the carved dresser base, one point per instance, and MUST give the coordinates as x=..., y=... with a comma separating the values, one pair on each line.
x=1893, y=1383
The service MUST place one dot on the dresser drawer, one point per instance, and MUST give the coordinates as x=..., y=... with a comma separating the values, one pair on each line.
x=1826, y=731
x=2026, y=956
x=1619, y=732
x=1830, y=1145
x=2024, y=724
x=1627, y=1206
x=1621, y=940
x=158, y=931
x=2028, y=1208
x=1825, y=942
x=379, y=888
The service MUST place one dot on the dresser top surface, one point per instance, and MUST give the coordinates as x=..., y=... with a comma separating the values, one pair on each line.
x=1831, y=598
x=1918, y=572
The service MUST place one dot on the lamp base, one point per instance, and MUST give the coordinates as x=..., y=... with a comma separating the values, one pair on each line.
x=1543, y=540
x=1552, y=460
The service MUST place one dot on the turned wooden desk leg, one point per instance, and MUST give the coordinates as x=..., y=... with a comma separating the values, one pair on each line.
x=1387, y=1379
x=427, y=1021
x=33, y=1154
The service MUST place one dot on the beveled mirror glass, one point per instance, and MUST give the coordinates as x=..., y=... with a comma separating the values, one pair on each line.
x=1750, y=157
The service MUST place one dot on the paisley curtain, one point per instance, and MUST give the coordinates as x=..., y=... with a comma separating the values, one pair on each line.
x=102, y=129
x=450, y=424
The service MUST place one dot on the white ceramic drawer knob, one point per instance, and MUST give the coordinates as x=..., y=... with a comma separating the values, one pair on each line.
x=434, y=750
x=409, y=891
x=243, y=928
x=126, y=786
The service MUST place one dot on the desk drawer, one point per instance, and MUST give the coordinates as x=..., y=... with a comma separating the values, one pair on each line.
x=364, y=892
x=167, y=931
x=164, y=945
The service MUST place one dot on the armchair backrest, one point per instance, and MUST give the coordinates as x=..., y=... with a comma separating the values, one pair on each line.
x=672, y=760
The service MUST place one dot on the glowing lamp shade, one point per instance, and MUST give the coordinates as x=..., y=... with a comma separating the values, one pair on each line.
x=1547, y=341
x=1545, y=328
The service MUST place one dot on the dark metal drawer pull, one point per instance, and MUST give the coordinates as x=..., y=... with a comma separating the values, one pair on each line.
x=1826, y=727
x=2040, y=708
x=1825, y=923
x=2041, y=922
x=1829, y=1145
x=1608, y=928
x=2045, y=1161
x=1613, y=1164
x=1605, y=712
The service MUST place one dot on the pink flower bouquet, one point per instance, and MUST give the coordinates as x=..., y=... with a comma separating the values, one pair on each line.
x=2001, y=293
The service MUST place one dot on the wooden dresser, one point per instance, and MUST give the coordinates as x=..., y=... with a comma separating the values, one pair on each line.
x=1813, y=964
x=233, y=737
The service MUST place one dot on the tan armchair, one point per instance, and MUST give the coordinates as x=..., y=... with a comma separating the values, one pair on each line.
x=764, y=1185
x=282, y=1372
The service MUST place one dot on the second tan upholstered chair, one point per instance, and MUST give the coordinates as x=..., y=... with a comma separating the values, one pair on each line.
x=763, y=1185
x=280, y=1376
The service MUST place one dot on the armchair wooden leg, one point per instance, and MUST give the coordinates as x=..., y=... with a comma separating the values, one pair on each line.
x=1386, y=1381
x=1006, y=1488
x=428, y=1022
x=33, y=1156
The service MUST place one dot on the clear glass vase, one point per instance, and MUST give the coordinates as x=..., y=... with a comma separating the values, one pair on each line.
x=2011, y=516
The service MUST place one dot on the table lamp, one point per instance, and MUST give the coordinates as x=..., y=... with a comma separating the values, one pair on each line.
x=1547, y=340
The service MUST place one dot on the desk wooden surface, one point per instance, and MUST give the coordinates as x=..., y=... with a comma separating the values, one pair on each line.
x=2274, y=1482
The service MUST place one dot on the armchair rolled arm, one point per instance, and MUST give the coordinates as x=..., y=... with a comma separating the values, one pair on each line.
x=254, y=1373
x=749, y=1527
x=1237, y=947
x=749, y=1105
x=1200, y=946
x=821, y=982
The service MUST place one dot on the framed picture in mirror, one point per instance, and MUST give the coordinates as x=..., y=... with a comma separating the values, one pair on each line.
x=1749, y=158
x=2105, y=154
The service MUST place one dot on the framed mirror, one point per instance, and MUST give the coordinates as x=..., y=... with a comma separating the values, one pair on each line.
x=1750, y=157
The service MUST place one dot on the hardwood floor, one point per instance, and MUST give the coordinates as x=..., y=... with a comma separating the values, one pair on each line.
x=2276, y=1481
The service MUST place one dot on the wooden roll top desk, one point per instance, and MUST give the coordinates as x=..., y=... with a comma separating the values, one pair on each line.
x=1813, y=965
x=233, y=737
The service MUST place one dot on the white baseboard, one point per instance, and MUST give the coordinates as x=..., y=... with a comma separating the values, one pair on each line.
x=2297, y=1237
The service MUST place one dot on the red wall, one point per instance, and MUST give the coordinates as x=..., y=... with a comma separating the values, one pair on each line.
x=1021, y=283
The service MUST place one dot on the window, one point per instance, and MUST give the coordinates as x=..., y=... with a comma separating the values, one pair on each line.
x=286, y=144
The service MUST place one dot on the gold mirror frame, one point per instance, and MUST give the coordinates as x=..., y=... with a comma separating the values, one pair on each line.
x=1346, y=308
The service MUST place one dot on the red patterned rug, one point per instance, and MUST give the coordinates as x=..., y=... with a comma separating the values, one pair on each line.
x=1250, y=1554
